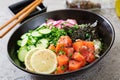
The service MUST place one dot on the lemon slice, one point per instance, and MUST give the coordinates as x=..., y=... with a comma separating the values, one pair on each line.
x=44, y=61
x=28, y=57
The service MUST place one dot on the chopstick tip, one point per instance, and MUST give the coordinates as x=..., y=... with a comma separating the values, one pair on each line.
x=1, y=36
x=0, y=28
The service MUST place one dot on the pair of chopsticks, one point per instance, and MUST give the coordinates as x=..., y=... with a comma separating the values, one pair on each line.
x=19, y=17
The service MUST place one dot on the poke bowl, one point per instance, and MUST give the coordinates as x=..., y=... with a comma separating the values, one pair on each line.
x=61, y=43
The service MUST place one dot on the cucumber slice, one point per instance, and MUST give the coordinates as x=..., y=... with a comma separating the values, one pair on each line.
x=41, y=26
x=19, y=42
x=42, y=43
x=17, y=62
x=30, y=47
x=25, y=35
x=22, y=53
x=31, y=40
x=36, y=34
x=44, y=31
x=24, y=41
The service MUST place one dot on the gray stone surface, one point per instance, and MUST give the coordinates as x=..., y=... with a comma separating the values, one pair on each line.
x=107, y=69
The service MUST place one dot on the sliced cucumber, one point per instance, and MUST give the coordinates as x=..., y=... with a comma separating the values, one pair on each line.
x=22, y=53
x=30, y=47
x=44, y=31
x=31, y=40
x=19, y=42
x=36, y=34
x=17, y=62
x=42, y=43
x=24, y=41
x=41, y=26
x=25, y=35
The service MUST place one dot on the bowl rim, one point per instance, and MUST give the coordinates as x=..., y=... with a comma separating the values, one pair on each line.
x=83, y=68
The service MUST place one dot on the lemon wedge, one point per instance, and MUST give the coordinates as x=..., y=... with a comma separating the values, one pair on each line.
x=28, y=57
x=44, y=61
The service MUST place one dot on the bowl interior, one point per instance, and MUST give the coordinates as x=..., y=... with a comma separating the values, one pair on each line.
x=105, y=29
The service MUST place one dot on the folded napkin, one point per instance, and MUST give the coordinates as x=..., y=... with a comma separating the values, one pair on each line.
x=15, y=8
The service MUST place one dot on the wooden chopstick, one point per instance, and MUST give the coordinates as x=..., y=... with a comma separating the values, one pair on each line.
x=17, y=15
x=20, y=16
